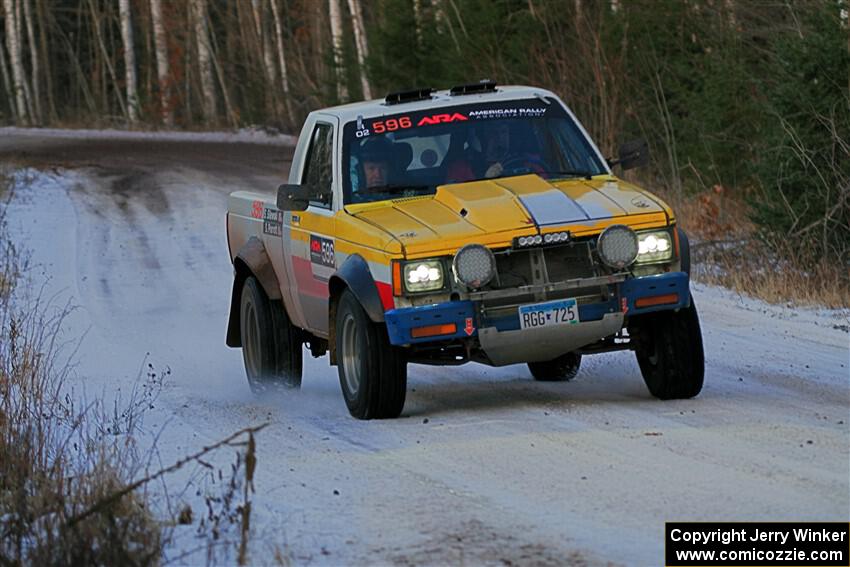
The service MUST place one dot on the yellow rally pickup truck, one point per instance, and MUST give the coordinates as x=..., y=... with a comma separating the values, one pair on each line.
x=476, y=224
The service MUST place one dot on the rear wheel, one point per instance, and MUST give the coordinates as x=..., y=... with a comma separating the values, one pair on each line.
x=372, y=372
x=271, y=345
x=562, y=369
x=670, y=353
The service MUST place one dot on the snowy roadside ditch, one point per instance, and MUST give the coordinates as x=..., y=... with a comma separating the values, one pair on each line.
x=83, y=473
x=243, y=135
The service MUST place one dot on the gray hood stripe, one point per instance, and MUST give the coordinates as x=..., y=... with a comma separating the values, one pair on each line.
x=554, y=208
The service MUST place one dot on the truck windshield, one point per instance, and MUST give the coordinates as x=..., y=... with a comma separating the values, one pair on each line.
x=410, y=154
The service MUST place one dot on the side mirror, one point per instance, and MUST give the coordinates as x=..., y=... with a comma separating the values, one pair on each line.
x=631, y=155
x=292, y=197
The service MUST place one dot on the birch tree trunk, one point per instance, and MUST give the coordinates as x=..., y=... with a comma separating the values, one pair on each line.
x=202, y=37
x=442, y=22
x=34, y=60
x=281, y=57
x=336, y=35
x=48, y=73
x=14, y=47
x=417, y=21
x=317, y=22
x=264, y=46
x=360, y=45
x=263, y=41
x=129, y=60
x=7, y=84
x=163, y=72
x=106, y=60
x=19, y=26
x=228, y=108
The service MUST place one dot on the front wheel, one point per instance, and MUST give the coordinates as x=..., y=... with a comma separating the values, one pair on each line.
x=670, y=353
x=271, y=345
x=562, y=369
x=372, y=372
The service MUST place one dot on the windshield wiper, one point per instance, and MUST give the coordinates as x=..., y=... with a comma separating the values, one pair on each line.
x=396, y=188
x=570, y=173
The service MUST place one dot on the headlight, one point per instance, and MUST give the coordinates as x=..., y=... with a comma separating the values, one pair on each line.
x=474, y=266
x=617, y=246
x=654, y=246
x=426, y=275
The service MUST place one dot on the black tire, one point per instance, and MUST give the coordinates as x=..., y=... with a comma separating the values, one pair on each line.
x=562, y=369
x=372, y=372
x=271, y=345
x=670, y=353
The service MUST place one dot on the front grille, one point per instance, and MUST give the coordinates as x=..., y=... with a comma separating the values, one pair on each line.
x=552, y=264
x=569, y=262
x=543, y=265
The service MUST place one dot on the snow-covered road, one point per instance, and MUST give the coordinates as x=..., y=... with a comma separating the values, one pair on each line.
x=485, y=465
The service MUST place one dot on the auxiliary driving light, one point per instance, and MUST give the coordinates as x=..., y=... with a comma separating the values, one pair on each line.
x=537, y=239
x=617, y=246
x=474, y=265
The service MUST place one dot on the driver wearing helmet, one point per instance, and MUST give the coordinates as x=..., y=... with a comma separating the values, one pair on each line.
x=497, y=144
x=375, y=157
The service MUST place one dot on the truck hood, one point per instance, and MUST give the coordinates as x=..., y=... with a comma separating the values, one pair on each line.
x=493, y=212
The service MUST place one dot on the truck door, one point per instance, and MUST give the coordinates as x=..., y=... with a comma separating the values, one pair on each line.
x=311, y=246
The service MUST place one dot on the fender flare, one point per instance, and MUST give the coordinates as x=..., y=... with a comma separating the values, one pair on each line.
x=355, y=275
x=251, y=260
x=684, y=252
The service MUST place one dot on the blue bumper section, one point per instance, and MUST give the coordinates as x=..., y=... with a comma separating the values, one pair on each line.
x=650, y=286
x=401, y=322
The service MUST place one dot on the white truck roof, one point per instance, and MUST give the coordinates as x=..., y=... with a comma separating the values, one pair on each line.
x=379, y=107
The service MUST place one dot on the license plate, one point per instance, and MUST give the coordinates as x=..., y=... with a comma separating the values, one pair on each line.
x=549, y=314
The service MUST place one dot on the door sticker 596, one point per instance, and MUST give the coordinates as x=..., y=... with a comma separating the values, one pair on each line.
x=322, y=251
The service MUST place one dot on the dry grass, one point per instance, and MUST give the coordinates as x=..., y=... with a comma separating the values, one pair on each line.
x=67, y=464
x=727, y=250
x=57, y=459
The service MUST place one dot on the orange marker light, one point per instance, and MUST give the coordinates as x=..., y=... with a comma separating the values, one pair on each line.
x=433, y=331
x=676, y=242
x=397, y=286
x=657, y=300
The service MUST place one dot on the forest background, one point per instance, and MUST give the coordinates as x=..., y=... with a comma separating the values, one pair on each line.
x=745, y=103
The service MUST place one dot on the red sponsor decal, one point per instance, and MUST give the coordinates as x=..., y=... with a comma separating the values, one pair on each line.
x=257, y=209
x=469, y=328
x=441, y=119
x=624, y=304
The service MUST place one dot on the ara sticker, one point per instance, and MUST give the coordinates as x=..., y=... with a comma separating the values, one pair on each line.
x=322, y=251
x=442, y=119
x=273, y=222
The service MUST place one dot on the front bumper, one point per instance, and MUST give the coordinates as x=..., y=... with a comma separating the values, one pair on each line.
x=501, y=338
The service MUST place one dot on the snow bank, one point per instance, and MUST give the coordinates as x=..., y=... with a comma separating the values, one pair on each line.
x=245, y=135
